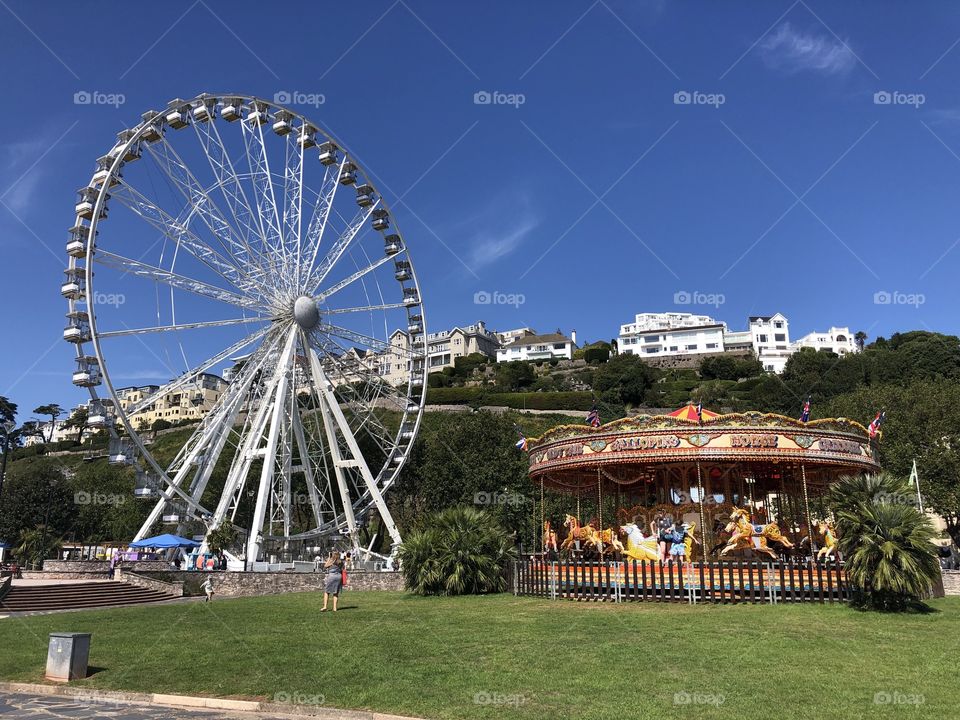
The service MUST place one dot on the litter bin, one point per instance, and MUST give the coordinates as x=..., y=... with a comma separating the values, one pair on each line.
x=67, y=656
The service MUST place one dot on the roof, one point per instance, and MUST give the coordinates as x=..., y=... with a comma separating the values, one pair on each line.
x=689, y=412
x=683, y=328
x=537, y=339
x=765, y=317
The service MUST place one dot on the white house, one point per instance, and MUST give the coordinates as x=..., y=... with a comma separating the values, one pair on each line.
x=539, y=347
x=770, y=336
x=839, y=340
x=443, y=349
x=664, y=334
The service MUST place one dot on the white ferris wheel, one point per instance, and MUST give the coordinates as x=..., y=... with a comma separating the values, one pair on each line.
x=240, y=232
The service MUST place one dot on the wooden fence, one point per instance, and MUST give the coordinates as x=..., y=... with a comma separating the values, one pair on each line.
x=727, y=581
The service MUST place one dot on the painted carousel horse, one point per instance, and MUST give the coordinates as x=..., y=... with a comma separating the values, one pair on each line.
x=747, y=536
x=640, y=547
x=829, y=540
x=549, y=538
x=589, y=536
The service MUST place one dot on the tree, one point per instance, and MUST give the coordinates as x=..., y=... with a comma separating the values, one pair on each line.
x=8, y=410
x=886, y=541
x=860, y=338
x=53, y=411
x=515, y=376
x=78, y=421
x=458, y=551
x=35, y=493
x=624, y=379
x=922, y=424
x=36, y=544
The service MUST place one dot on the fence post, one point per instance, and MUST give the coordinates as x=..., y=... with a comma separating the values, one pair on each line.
x=513, y=580
x=553, y=581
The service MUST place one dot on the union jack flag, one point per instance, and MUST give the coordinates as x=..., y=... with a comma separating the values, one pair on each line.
x=593, y=418
x=805, y=415
x=874, y=428
x=521, y=444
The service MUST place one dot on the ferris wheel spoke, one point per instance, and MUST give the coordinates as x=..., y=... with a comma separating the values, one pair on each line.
x=352, y=278
x=333, y=255
x=179, y=174
x=364, y=308
x=318, y=219
x=343, y=333
x=262, y=182
x=152, y=272
x=293, y=197
x=230, y=187
x=192, y=375
x=178, y=233
x=182, y=326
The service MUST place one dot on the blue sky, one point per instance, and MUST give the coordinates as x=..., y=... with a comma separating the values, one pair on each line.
x=815, y=165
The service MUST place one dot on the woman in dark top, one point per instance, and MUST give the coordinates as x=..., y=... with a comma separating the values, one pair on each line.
x=333, y=580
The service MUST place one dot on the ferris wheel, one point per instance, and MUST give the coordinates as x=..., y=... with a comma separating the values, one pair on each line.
x=243, y=240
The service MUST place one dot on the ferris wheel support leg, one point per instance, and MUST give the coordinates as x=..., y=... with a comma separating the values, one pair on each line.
x=307, y=467
x=320, y=383
x=270, y=452
x=331, y=402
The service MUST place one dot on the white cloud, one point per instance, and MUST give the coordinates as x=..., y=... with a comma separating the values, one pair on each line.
x=794, y=51
x=20, y=180
x=491, y=244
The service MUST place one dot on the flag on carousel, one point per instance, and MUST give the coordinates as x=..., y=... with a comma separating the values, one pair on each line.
x=805, y=414
x=874, y=428
x=593, y=418
x=700, y=411
x=521, y=444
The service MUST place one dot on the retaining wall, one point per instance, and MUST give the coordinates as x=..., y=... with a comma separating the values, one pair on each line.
x=246, y=584
x=951, y=582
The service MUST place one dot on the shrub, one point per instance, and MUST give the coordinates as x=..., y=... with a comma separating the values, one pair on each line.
x=886, y=541
x=459, y=551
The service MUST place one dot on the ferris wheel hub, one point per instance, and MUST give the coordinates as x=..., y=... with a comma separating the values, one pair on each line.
x=306, y=313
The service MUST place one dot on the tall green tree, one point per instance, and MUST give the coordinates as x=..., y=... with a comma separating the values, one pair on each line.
x=79, y=421
x=53, y=411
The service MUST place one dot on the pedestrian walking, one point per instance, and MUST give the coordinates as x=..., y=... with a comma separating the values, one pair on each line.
x=333, y=579
x=208, y=588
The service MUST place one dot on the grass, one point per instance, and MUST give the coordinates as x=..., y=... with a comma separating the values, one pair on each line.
x=431, y=657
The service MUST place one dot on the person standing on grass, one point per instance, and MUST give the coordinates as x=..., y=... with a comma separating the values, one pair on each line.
x=208, y=588
x=333, y=580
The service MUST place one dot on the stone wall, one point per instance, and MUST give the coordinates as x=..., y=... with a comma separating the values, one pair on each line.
x=44, y=575
x=174, y=589
x=101, y=566
x=951, y=582
x=245, y=584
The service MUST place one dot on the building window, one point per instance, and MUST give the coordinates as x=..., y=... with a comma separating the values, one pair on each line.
x=762, y=338
x=559, y=346
x=674, y=348
x=691, y=347
x=710, y=346
x=778, y=324
x=651, y=338
x=780, y=337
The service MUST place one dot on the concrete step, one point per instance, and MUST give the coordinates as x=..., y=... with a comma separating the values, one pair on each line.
x=80, y=595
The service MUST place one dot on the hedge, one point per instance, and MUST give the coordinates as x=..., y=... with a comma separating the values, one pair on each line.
x=518, y=401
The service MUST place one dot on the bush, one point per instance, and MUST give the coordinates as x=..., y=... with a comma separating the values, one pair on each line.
x=886, y=541
x=459, y=551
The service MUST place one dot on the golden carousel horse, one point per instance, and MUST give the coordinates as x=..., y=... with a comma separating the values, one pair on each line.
x=549, y=538
x=640, y=547
x=744, y=532
x=829, y=540
x=589, y=536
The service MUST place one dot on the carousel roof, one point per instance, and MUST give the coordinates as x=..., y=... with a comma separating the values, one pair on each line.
x=689, y=412
x=635, y=447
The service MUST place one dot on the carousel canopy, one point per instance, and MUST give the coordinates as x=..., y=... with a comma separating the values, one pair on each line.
x=689, y=412
x=763, y=449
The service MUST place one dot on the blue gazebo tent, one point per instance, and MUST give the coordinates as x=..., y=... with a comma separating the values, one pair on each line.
x=165, y=541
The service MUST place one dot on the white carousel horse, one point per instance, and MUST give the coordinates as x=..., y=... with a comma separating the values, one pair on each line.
x=640, y=547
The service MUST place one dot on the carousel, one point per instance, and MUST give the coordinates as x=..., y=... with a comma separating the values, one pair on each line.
x=694, y=486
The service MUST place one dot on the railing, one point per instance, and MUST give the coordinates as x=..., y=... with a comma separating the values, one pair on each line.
x=726, y=581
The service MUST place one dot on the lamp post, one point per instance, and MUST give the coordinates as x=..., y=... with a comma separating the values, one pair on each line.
x=6, y=428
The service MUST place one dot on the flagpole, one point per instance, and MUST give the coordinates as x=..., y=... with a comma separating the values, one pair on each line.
x=915, y=476
x=703, y=523
x=806, y=505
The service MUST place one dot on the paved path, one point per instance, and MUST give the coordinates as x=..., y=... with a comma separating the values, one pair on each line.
x=46, y=707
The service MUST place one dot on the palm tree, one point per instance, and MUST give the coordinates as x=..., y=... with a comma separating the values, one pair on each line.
x=460, y=551
x=53, y=411
x=860, y=337
x=36, y=544
x=886, y=540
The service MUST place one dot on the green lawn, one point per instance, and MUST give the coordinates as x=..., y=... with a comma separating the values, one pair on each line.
x=431, y=657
